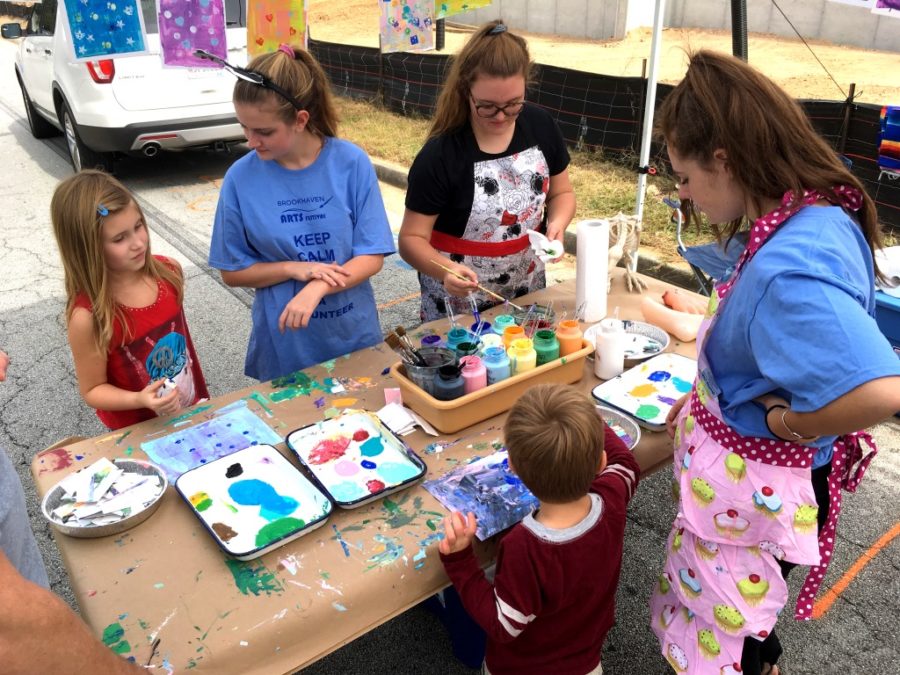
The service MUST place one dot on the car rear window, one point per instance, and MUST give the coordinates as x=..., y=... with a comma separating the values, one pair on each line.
x=235, y=15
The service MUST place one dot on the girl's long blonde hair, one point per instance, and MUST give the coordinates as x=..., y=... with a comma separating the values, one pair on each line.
x=75, y=212
x=492, y=51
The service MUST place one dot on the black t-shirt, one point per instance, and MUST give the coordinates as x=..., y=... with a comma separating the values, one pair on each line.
x=442, y=177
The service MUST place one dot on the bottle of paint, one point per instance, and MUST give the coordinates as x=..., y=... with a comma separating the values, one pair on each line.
x=522, y=355
x=546, y=346
x=502, y=322
x=511, y=333
x=490, y=340
x=466, y=349
x=570, y=337
x=448, y=384
x=457, y=335
x=609, y=356
x=496, y=362
x=432, y=340
x=474, y=373
x=481, y=327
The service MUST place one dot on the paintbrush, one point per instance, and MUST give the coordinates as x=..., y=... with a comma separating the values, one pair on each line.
x=404, y=338
x=478, y=286
x=395, y=344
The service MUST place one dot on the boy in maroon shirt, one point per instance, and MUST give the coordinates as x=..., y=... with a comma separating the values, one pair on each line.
x=553, y=597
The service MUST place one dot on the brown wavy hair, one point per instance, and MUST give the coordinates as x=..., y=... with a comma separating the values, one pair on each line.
x=771, y=146
x=502, y=54
x=303, y=78
x=78, y=228
x=555, y=441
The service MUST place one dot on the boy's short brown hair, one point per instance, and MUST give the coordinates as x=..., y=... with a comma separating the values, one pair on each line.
x=555, y=441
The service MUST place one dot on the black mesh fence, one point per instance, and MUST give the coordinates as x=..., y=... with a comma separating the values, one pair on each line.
x=594, y=112
x=17, y=10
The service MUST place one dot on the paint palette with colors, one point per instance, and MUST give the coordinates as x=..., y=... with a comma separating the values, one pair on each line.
x=253, y=501
x=355, y=458
x=648, y=391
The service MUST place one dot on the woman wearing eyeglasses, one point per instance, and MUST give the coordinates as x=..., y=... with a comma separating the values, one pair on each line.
x=492, y=168
x=300, y=219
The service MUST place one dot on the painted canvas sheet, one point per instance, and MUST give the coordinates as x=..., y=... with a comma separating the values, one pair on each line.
x=186, y=25
x=271, y=23
x=355, y=458
x=868, y=4
x=406, y=25
x=103, y=29
x=451, y=7
x=487, y=488
x=889, y=143
x=887, y=8
x=235, y=428
x=253, y=501
x=647, y=392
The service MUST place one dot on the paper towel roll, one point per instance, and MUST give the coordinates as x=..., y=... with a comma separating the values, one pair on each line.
x=591, y=269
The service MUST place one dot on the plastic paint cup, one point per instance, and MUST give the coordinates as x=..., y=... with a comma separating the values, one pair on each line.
x=457, y=335
x=521, y=353
x=466, y=349
x=435, y=357
x=490, y=340
x=502, y=322
x=546, y=346
x=569, y=335
x=432, y=341
x=512, y=333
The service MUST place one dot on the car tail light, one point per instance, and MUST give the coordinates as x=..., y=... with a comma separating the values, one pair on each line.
x=103, y=71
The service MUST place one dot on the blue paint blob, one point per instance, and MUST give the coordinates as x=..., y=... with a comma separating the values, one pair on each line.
x=366, y=464
x=681, y=385
x=272, y=505
x=393, y=473
x=347, y=491
x=659, y=376
x=372, y=447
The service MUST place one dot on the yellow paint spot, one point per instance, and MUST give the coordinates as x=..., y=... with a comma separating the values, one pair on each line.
x=643, y=390
x=343, y=402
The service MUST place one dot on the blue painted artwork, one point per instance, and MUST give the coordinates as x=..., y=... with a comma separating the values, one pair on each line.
x=487, y=488
x=234, y=428
x=105, y=28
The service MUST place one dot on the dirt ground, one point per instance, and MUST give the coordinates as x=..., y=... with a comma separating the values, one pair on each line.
x=788, y=62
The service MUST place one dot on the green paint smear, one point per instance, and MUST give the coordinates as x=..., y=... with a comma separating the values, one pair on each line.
x=188, y=415
x=328, y=365
x=294, y=385
x=647, y=412
x=129, y=451
x=205, y=504
x=123, y=437
x=122, y=648
x=112, y=634
x=277, y=529
x=261, y=400
x=255, y=579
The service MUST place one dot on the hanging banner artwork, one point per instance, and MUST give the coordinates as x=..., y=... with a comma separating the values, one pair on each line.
x=887, y=8
x=102, y=29
x=451, y=7
x=186, y=25
x=271, y=23
x=406, y=25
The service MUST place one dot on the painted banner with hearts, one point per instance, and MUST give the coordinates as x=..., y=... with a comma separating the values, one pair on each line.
x=271, y=23
x=186, y=25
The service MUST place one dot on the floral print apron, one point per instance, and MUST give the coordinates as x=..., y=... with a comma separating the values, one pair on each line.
x=744, y=503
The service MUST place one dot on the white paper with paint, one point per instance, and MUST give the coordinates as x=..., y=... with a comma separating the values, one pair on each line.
x=648, y=391
x=355, y=458
x=591, y=269
x=253, y=501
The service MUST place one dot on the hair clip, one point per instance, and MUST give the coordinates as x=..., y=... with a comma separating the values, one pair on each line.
x=496, y=30
x=287, y=49
x=102, y=210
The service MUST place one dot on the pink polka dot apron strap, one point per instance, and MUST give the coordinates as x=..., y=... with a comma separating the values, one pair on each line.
x=764, y=450
x=848, y=466
x=843, y=195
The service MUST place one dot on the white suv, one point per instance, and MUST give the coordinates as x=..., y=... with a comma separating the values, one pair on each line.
x=128, y=105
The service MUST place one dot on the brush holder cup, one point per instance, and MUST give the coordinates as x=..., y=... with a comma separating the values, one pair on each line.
x=435, y=357
x=542, y=317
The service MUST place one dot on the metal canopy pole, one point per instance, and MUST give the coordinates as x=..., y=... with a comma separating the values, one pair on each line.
x=649, y=106
x=739, y=28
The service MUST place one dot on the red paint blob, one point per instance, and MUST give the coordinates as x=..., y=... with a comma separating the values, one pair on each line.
x=375, y=486
x=329, y=449
x=360, y=436
x=732, y=513
x=754, y=578
x=767, y=491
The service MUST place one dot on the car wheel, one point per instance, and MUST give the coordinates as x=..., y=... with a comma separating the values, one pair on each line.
x=82, y=156
x=40, y=128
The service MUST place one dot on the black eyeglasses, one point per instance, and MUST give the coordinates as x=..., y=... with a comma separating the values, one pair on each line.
x=488, y=110
x=250, y=76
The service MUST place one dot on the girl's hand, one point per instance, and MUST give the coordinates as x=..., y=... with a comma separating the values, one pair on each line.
x=673, y=414
x=331, y=273
x=459, y=287
x=459, y=531
x=298, y=311
x=556, y=232
x=165, y=405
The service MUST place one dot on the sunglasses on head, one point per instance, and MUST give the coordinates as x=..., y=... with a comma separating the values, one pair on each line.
x=250, y=76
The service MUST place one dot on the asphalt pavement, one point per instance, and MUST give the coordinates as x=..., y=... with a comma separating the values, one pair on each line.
x=39, y=405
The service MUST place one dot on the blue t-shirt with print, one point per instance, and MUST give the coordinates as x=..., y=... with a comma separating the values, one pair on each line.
x=800, y=323
x=331, y=211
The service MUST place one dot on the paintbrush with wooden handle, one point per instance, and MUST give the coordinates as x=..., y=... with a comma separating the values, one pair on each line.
x=478, y=286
